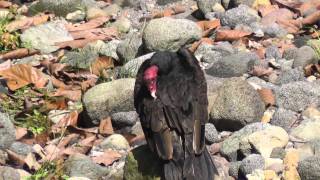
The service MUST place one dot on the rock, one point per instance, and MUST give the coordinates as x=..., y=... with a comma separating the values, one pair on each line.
x=60, y=7
x=82, y=166
x=273, y=52
x=240, y=15
x=112, y=9
x=164, y=2
x=123, y=119
x=305, y=55
x=130, y=47
x=213, y=85
x=234, y=168
x=290, y=75
x=123, y=25
x=141, y=163
x=237, y=104
x=307, y=130
x=255, y=175
x=206, y=6
x=76, y=16
x=116, y=142
x=233, y=65
x=95, y=12
x=297, y=96
x=78, y=178
x=278, y=152
x=126, y=3
x=311, y=113
x=137, y=129
x=290, y=53
x=7, y=132
x=291, y=162
x=273, y=164
x=260, y=83
x=274, y=30
x=270, y=174
x=213, y=53
x=3, y=157
x=211, y=133
x=286, y=65
x=130, y=69
x=21, y=148
x=251, y=163
x=84, y=58
x=107, y=98
x=264, y=141
x=37, y=36
x=310, y=168
x=231, y=145
x=8, y=173
x=284, y=118
x=170, y=34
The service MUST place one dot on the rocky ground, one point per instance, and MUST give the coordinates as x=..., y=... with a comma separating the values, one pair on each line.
x=67, y=70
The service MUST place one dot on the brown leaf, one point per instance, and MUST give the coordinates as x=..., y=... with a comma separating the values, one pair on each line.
x=107, y=158
x=27, y=22
x=31, y=162
x=88, y=141
x=69, y=120
x=168, y=11
x=308, y=6
x=20, y=75
x=76, y=150
x=18, y=53
x=101, y=63
x=67, y=139
x=265, y=10
x=15, y=158
x=5, y=4
x=105, y=126
x=5, y=65
x=312, y=18
x=59, y=84
x=74, y=95
x=97, y=34
x=208, y=26
x=196, y=44
x=79, y=43
x=93, y=23
x=230, y=35
x=267, y=96
x=312, y=69
x=52, y=152
x=261, y=71
x=59, y=103
x=21, y=132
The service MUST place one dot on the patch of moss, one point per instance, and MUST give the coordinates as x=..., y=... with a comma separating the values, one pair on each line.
x=142, y=164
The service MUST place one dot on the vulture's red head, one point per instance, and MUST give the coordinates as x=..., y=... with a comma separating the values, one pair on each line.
x=150, y=77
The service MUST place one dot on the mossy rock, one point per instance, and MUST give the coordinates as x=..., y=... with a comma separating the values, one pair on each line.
x=142, y=164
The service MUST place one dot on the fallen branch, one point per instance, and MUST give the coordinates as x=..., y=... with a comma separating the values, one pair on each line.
x=18, y=53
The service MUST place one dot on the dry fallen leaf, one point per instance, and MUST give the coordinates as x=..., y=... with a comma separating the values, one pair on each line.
x=21, y=132
x=168, y=12
x=196, y=44
x=5, y=4
x=20, y=75
x=230, y=35
x=105, y=126
x=27, y=22
x=5, y=65
x=18, y=53
x=101, y=63
x=69, y=120
x=265, y=10
x=261, y=71
x=74, y=95
x=31, y=162
x=267, y=96
x=93, y=23
x=107, y=158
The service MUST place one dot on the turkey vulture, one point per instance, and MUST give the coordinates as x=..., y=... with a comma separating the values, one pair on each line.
x=170, y=96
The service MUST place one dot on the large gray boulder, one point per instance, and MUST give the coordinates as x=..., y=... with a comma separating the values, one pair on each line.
x=305, y=55
x=107, y=98
x=240, y=15
x=309, y=168
x=236, y=105
x=170, y=34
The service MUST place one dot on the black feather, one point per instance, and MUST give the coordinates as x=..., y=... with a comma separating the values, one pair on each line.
x=174, y=122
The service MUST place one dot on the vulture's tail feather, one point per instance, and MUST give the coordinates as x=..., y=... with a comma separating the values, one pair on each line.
x=195, y=167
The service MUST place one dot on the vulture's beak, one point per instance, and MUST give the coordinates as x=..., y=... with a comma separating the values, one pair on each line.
x=153, y=94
